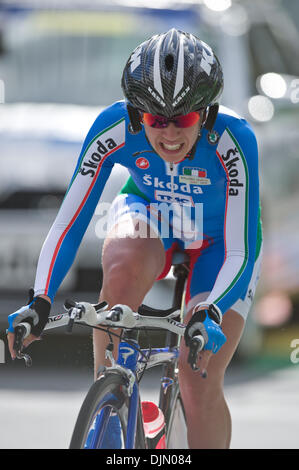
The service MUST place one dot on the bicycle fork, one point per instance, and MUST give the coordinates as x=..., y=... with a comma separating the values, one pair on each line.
x=126, y=365
x=127, y=359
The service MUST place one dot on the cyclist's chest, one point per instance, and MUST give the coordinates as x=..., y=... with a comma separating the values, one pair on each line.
x=200, y=180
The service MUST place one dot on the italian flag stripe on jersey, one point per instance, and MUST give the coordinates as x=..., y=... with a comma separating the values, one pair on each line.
x=116, y=124
x=87, y=173
x=199, y=172
x=236, y=213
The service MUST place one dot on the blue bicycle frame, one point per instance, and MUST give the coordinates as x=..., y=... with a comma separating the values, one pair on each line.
x=129, y=358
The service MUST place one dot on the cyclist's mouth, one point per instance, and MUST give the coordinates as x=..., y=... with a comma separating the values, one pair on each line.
x=171, y=149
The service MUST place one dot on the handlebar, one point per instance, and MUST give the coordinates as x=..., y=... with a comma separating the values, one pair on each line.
x=120, y=316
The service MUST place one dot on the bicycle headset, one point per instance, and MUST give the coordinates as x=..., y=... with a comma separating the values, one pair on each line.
x=172, y=74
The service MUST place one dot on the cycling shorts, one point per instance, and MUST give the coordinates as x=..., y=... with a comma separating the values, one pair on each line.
x=205, y=253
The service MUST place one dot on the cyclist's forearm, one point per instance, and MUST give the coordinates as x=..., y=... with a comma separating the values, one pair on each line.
x=230, y=284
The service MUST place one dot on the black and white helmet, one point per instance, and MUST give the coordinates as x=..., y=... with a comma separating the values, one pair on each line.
x=171, y=74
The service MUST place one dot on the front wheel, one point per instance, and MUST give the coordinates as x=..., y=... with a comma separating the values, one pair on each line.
x=105, y=401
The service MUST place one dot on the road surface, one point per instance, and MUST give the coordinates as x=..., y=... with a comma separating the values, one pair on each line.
x=38, y=407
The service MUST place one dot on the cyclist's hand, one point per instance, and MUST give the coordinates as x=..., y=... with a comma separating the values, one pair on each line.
x=206, y=321
x=36, y=313
x=26, y=342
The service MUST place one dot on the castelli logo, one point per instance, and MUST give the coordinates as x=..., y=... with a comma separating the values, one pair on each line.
x=142, y=163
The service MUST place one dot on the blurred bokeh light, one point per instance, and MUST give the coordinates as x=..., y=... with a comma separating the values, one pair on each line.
x=273, y=310
x=273, y=85
x=260, y=108
x=218, y=5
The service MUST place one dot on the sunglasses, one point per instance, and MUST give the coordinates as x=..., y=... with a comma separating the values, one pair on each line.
x=161, y=122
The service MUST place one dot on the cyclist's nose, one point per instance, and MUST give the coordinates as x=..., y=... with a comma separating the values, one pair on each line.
x=171, y=131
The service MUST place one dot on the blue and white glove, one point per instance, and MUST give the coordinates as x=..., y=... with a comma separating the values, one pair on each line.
x=206, y=321
x=36, y=313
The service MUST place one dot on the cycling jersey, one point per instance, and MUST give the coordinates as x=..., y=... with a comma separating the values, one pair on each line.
x=222, y=177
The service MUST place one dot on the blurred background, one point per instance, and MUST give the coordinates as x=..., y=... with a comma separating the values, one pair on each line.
x=60, y=63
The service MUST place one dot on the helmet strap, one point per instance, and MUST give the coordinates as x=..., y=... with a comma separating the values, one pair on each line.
x=208, y=124
x=212, y=115
x=135, y=125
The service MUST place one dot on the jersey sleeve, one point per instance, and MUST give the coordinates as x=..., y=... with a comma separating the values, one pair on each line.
x=238, y=154
x=92, y=171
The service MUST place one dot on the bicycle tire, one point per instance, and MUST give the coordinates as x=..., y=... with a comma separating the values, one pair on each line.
x=176, y=428
x=107, y=392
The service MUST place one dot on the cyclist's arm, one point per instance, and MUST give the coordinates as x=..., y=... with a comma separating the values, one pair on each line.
x=241, y=217
x=92, y=171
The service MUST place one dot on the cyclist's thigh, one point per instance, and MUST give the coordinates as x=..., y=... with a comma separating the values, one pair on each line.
x=133, y=256
x=143, y=227
x=131, y=238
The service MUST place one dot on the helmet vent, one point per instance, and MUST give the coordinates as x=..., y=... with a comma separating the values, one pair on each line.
x=169, y=61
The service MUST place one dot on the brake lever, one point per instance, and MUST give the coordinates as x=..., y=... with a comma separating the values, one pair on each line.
x=75, y=311
x=26, y=357
x=20, y=332
x=196, y=345
x=69, y=326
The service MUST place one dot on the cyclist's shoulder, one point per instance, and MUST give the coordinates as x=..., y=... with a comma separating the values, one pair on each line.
x=237, y=138
x=111, y=115
x=109, y=128
x=235, y=125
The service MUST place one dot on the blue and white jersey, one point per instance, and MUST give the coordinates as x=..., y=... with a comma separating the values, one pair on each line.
x=222, y=177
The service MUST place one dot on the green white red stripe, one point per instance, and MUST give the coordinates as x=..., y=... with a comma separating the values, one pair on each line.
x=74, y=202
x=236, y=217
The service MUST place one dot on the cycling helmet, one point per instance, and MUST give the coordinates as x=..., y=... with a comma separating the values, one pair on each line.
x=171, y=74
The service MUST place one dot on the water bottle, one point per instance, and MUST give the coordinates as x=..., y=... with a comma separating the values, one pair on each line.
x=154, y=425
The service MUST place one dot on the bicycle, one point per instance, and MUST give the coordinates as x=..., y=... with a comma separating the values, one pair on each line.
x=116, y=390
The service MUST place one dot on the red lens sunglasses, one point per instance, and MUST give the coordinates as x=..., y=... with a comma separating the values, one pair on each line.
x=161, y=122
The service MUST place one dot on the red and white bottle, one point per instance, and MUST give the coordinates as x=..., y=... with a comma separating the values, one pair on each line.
x=154, y=425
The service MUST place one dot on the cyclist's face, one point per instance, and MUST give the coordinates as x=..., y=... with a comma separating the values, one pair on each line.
x=172, y=143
